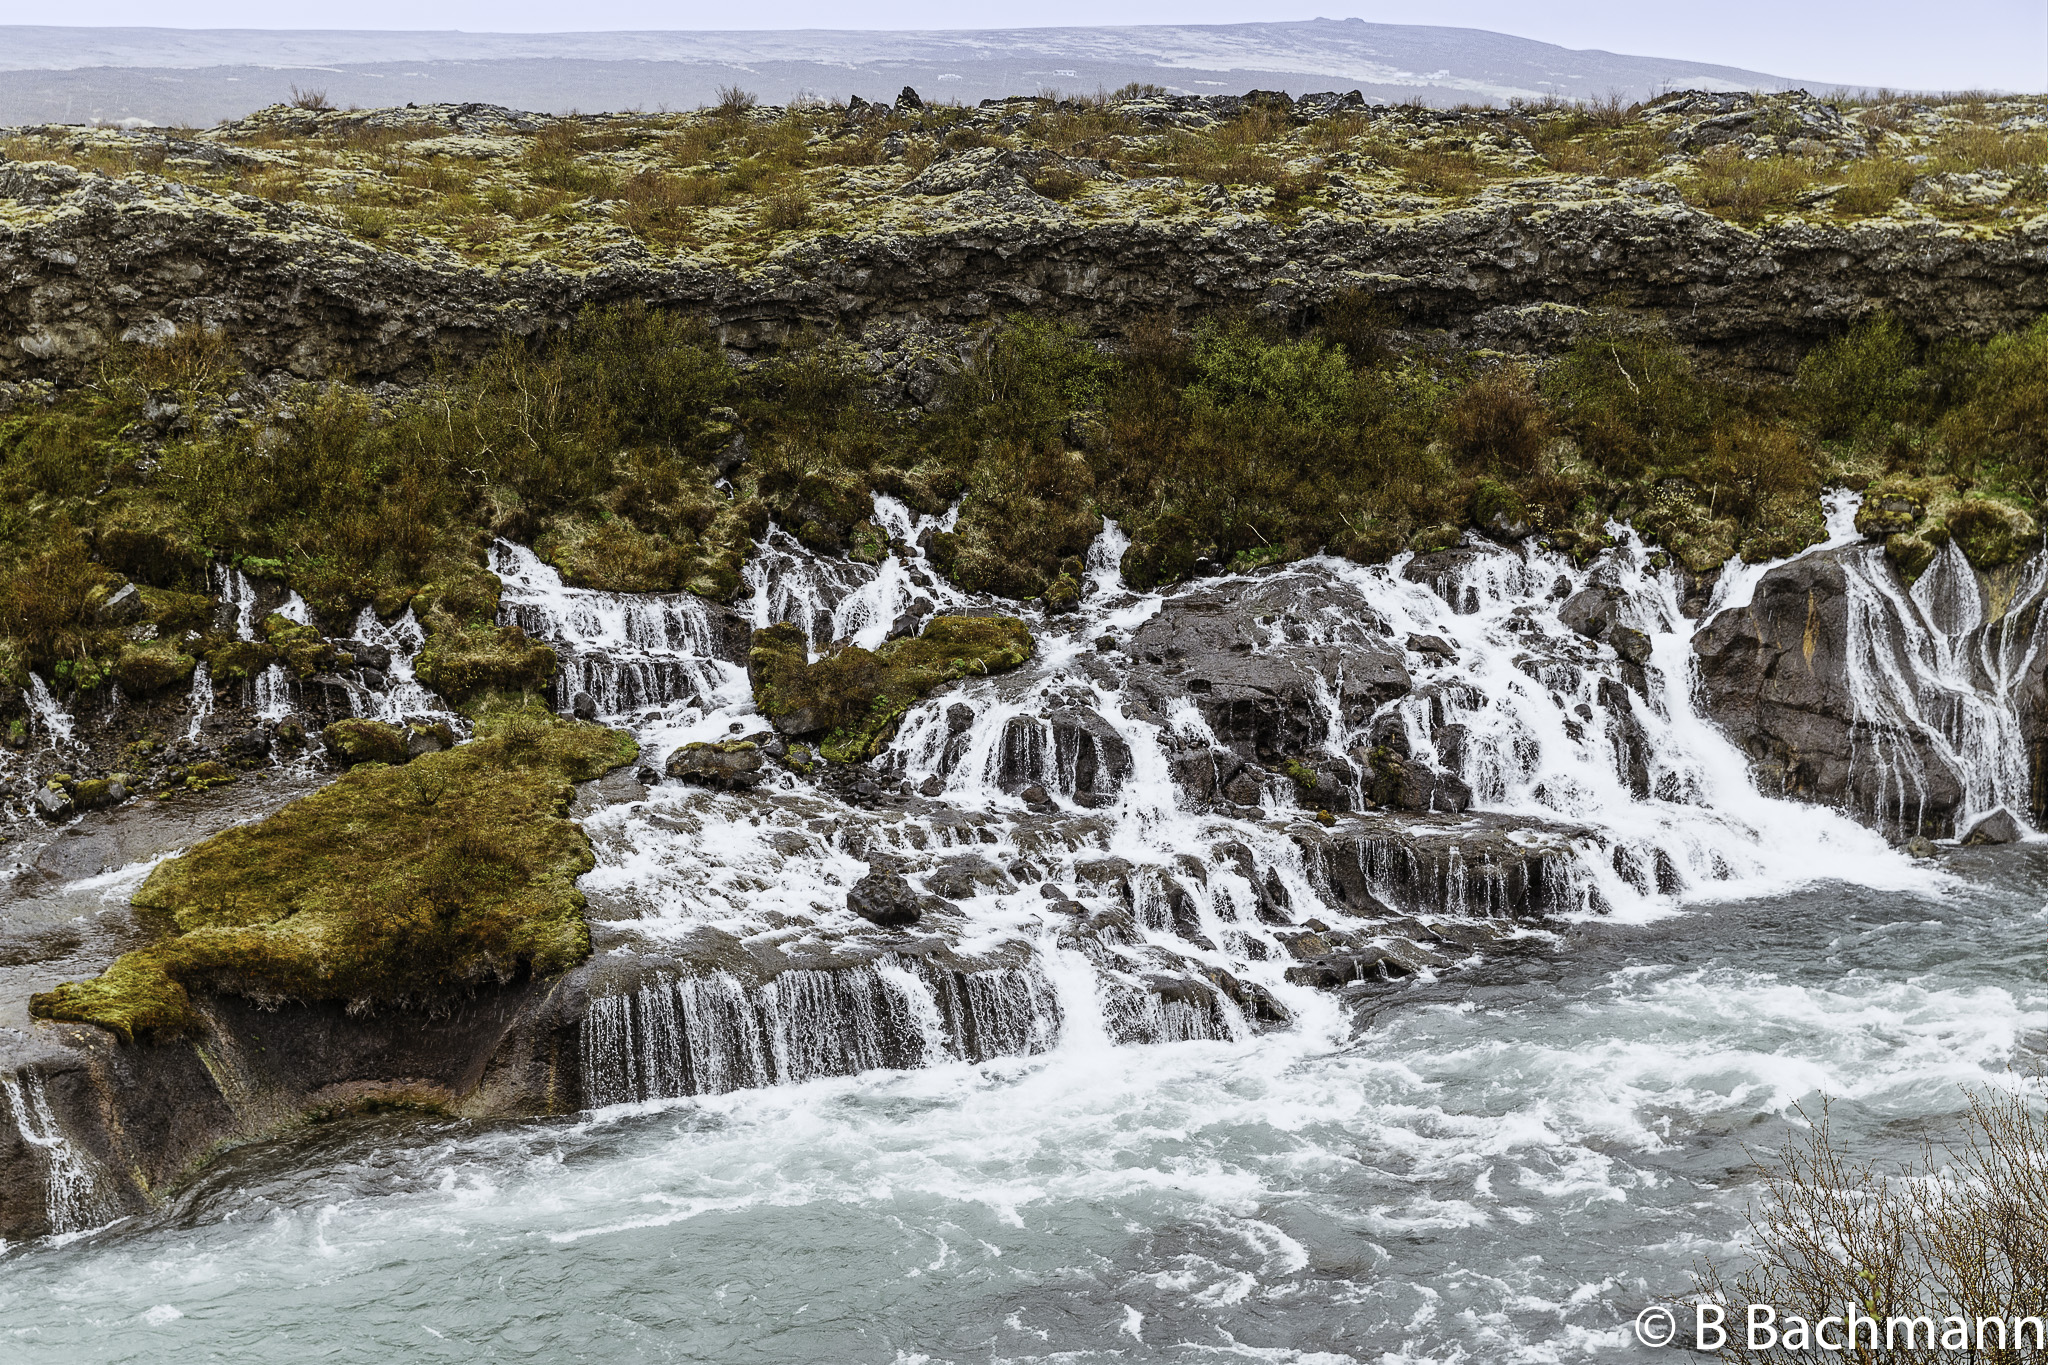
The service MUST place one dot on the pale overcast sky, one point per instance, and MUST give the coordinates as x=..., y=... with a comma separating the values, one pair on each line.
x=1954, y=45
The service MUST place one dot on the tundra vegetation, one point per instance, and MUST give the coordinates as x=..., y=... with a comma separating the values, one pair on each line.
x=391, y=886
x=733, y=181
x=636, y=457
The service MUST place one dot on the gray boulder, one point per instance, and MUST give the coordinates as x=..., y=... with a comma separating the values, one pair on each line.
x=885, y=898
x=1998, y=827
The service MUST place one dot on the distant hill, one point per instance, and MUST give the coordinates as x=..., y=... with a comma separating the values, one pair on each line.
x=199, y=76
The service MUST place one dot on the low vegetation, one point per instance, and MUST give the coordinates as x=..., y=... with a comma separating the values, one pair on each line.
x=738, y=181
x=635, y=457
x=1928, y=1250
x=393, y=886
x=851, y=699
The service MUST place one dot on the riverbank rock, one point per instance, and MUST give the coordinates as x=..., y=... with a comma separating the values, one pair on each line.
x=1776, y=676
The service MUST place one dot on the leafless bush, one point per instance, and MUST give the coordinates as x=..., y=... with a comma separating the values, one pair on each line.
x=1958, y=1236
x=310, y=99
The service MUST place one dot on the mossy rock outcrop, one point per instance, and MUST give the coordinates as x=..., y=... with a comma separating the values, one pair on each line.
x=852, y=697
x=393, y=886
x=144, y=669
x=469, y=663
x=356, y=740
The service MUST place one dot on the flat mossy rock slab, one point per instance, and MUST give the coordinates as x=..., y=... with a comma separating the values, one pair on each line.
x=392, y=886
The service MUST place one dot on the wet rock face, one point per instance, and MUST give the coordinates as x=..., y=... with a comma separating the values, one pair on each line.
x=1074, y=748
x=1776, y=676
x=1256, y=661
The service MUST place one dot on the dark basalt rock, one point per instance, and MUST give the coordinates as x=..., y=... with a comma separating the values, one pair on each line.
x=1774, y=675
x=1591, y=611
x=887, y=899
x=1218, y=646
x=732, y=765
x=1070, y=749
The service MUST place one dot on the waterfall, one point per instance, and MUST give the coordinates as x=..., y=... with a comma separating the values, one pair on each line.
x=199, y=701
x=273, y=693
x=74, y=1197
x=1936, y=681
x=49, y=713
x=237, y=596
x=841, y=600
x=628, y=652
x=1119, y=840
x=706, y=1035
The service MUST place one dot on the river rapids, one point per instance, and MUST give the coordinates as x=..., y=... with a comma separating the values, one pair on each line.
x=1105, y=1101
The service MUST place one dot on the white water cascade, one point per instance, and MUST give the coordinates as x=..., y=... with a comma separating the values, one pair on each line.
x=1936, y=680
x=1081, y=881
x=74, y=1198
x=630, y=653
x=48, y=713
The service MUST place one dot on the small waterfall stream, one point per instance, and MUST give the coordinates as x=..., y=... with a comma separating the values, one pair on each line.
x=74, y=1196
x=1936, y=680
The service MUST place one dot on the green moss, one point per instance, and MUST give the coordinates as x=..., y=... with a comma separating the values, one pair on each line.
x=237, y=661
x=356, y=740
x=206, y=775
x=391, y=886
x=1990, y=533
x=1909, y=554
x=853, y=697
x=1498, y=509
x=143, y=669
x=468, y=663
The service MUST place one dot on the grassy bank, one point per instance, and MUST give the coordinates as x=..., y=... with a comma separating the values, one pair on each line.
x=393, y=886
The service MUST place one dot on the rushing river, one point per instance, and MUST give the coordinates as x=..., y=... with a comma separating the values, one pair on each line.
x=1499, y=1160
x=1501, y=1164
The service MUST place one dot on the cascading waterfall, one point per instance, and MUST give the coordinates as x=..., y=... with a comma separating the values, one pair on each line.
x=199, y=701
x=628, y=652
x=48, y=713
x=74, y=1197
x=840, y=600
x=403, y=694
x=1936, y=680
x=709, y=1034
x=1146, y=916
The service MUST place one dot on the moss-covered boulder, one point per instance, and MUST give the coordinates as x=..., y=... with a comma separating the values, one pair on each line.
x=853, y=697
x=237, y=661
x=148, y=668
x=728, y=765
x=411, y=885
x=469, y=663
x=356, y=740
x=300, y=648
